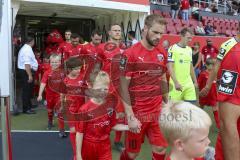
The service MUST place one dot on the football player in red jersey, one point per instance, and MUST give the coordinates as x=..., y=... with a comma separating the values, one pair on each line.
x=142, y=90
x=111, y=51
x=65, y=46
x=67, y=35
x=52, y=97
x=227, y=69
x=76, y=46
x=93, y=135
x=91, y=48
x=209, y=51
x=74, y=101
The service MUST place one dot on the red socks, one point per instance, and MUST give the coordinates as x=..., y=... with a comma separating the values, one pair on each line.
x=124, y=156
x=72, y=136
x=216, y=117
x=50, y=115
x=60, y=122
x=157, y=156
x=118, y=135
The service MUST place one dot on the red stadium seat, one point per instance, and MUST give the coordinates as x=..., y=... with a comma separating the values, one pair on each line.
x=234, y=32
x=229, y=33
x=177, y=22
x=223, y=29
x=171, y=30
x=169, y=21
x=185, y=23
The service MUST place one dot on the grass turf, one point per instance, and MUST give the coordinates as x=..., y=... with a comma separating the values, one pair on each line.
x=39, y=122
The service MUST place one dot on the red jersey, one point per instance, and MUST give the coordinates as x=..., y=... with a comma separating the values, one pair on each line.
x=168, y=158
x=75, y=98
x=53, y=48
x=145, y=67
x=211, y=98
x=109, y=51
x=185, y=4
x=228, y=74
x=49, y=91
x=44, y=67
x=90, y=49
x=98, y=129
x=64, y=49
x=209, y=52
x=75, y=50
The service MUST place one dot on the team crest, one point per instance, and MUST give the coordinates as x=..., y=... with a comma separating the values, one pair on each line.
x=160, y=57
x=110, y=112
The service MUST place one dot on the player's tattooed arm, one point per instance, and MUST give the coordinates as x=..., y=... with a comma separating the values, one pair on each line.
x=133, y=123
x=164, y=88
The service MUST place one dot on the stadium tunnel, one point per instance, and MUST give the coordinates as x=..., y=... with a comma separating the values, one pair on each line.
x=42, y=16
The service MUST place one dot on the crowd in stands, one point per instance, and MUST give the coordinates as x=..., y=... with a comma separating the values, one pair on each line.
x=229, y=7
x=185, y=13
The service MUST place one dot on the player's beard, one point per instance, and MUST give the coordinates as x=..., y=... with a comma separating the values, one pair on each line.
x=150, y=41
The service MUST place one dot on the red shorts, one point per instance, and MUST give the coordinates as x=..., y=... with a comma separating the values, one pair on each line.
x=96, y=150
x=211, y=98
x=53, y=102
x=152, y=130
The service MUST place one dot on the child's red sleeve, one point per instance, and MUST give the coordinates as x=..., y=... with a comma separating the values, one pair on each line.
x=45, y=77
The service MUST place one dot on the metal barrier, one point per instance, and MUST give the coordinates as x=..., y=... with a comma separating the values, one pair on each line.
x=6, y=131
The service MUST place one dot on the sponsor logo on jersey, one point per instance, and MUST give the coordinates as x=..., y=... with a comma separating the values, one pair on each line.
x=228, y=82
x=160, y=57
x=222, y=52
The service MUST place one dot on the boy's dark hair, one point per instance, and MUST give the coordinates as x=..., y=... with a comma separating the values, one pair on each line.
x=73, y=62
x=45, y=55
x=68, y=30
x=37, y=50
x=185, y=30
x=132, y=33
x=75, y=35
x=96, y=32
x=29, y=38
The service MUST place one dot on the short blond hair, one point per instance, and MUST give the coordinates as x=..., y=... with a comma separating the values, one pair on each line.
x=179, y=119
x=55, y=56
x=100, y=77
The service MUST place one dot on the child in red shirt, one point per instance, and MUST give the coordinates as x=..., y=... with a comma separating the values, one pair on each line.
x=38, y=72
x=52, y=97
x=93, y=133
x=186, y=128
x=211, y=98
x=74, y=97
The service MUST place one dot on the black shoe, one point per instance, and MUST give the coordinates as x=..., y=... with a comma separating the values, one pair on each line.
x=119, y=146
x=50, y=125
x=29, y=112
x=62, y=134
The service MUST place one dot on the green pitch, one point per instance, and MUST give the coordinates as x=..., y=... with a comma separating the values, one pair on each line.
x=39, y=122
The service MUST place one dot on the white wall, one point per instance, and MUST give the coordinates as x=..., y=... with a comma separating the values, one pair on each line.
x=5, y=48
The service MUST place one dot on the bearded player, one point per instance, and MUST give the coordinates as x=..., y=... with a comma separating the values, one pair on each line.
x=142, y=92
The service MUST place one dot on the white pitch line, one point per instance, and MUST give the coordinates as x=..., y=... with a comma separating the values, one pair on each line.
x=34, y=131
